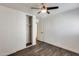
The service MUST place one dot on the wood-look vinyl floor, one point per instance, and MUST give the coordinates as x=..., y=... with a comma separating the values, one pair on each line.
x=44, y=49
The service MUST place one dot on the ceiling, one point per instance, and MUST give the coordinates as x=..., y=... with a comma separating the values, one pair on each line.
x=25, y=7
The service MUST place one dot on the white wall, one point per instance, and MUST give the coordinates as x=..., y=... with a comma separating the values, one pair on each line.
x=34, y=27
x=61, y=30
x=12, y=30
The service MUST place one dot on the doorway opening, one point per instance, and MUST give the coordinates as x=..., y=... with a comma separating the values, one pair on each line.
x=29, y=40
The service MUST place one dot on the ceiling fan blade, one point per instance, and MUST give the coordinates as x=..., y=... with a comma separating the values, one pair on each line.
x=48, y=12
x=34, y=8
x=49, y=8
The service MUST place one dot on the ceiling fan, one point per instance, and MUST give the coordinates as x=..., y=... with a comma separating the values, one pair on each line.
x=44, y=8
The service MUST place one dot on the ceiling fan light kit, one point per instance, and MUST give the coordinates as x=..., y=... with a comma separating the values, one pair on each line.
x=43, y=11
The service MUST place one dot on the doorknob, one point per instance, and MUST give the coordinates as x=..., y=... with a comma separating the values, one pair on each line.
x=41, y=32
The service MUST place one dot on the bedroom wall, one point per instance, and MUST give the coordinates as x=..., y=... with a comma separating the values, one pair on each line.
x=13, y=30
x=61, y=30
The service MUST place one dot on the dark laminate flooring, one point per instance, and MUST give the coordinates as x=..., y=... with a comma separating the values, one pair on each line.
x=44, y=49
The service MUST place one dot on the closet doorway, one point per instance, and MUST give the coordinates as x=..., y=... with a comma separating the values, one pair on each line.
x=29, y=39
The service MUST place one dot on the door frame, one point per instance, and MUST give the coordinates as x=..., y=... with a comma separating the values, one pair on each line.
x=34, y=30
